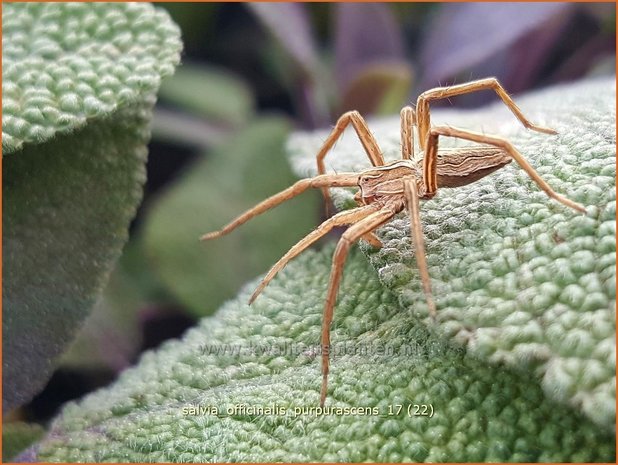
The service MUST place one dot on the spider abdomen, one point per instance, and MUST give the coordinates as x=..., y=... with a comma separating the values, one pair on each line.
x=462, y=166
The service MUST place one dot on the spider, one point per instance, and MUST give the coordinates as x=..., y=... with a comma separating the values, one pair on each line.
x=389, y=188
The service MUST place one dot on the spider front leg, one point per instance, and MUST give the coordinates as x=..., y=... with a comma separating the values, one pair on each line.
x=322, y=181
x=410, y=189
x=365, y=136
x=340, y=219
x=349, y=237
x=422, y=104
x=430, y=178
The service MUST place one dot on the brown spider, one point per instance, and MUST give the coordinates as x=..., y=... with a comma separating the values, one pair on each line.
x=389, y=188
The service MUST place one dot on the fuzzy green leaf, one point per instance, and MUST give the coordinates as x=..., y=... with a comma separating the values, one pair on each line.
x=384, y=357
x=79, y=82
x=518, y=278
x=64, y=63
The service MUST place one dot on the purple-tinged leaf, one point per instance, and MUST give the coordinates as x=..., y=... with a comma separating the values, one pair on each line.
x=366, y=34
x=289, y=24
x=519, y=65
x=595, y=57
x=463, y=35
x=527, y=56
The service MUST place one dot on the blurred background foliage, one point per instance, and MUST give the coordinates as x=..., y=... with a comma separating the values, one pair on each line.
x=251, y=73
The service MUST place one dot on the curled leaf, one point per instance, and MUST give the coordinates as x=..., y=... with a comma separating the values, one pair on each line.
x=79, y=82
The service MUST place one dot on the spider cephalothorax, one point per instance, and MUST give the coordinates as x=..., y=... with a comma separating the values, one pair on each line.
x=383, y=183
x=389, y=188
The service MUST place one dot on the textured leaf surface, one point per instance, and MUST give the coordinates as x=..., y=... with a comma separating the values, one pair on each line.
x=249, y=167
x=481, y=412
x=78, y=88
x=518, y=279
x=63, y=63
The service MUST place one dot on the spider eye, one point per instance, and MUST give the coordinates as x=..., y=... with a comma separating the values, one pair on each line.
x=366, y=178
